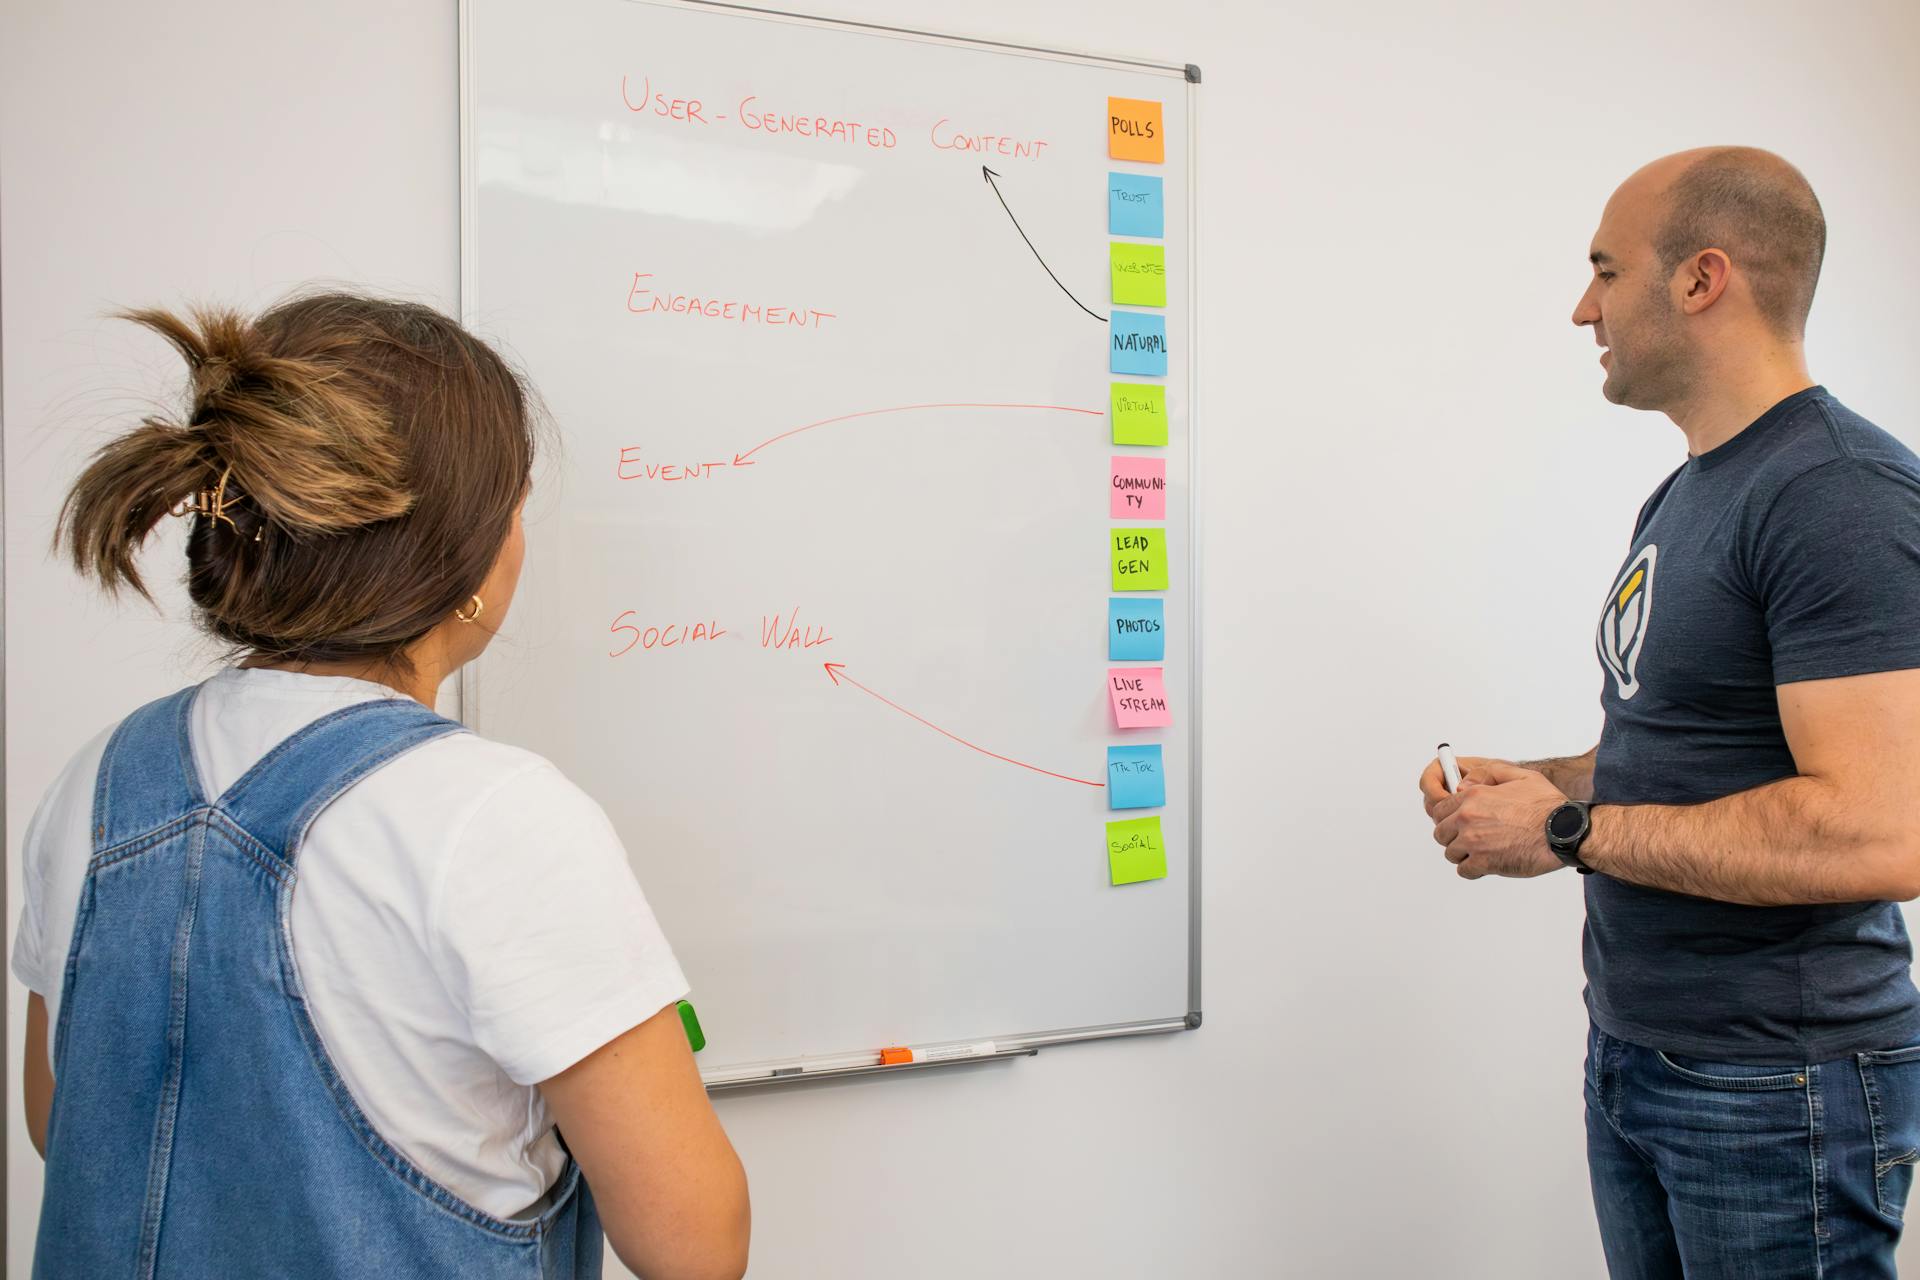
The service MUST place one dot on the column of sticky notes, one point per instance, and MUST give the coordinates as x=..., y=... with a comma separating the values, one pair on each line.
x=1136, y=620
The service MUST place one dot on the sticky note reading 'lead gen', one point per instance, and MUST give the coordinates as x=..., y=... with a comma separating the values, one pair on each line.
x=1136, y=205
x=1139, y=412
x=1134, y=130
x=1139, y=696
x=1135, y=851
x=1139, y=488
x=1139, y=559
x=1139, y=343
x=1134, y=778
x=1139, y=274
x=1136, y=629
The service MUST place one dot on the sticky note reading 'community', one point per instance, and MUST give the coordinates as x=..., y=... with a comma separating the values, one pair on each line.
x=1139, y=413
x=1139, y=696
x=1134, y=778
x=1135, y=851
x=1139, y=488
x=1139, y=559
x=1136, y=629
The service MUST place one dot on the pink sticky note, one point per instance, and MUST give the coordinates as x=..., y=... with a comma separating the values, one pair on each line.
x=1139, y=488
x=1139, y=697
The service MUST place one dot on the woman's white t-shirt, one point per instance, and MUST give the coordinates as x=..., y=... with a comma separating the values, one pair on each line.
x=465, y=923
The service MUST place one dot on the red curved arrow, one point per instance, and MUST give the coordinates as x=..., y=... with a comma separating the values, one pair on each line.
x=740, y=459
x=836, y=672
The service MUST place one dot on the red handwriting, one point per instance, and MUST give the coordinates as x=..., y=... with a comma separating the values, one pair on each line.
x=632, y=467
x=944, y=137
x=660, y=104
x=878, y=137
x=791, y=635
x=667, y=637
x=643, y=298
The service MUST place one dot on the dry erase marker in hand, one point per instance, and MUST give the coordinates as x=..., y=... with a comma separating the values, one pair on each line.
x=1450, y=767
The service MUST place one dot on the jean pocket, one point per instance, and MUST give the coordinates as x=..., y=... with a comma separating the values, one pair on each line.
x=1891, y=1080
x=1734, y=1076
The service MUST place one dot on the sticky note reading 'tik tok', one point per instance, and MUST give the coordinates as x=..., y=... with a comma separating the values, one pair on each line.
x=1139, y=559
x=1139, y=488
x=1135, y=851
x=1136, y=629
x=1135, y=131
x=1139, y=412
x=1134, y=778
x=1139, y=696
x=1139, y=343
x=1139, y=274
x=1136, y=205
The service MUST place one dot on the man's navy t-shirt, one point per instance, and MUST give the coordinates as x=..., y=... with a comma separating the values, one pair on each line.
x=1789, y=553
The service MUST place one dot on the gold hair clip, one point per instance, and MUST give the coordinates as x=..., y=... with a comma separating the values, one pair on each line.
x=212, y=504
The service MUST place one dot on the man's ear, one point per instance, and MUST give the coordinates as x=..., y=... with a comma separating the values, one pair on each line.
x=1701, y=280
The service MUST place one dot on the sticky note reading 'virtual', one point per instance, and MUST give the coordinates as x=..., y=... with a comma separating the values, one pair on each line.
x=1139, y=342
x=1136, y=205
x=1136, y=629
x=1139, y=696
x=1139, y=488
x=1139, y=413
x=1134, y=778
x=1139, y=559
x=1135, y=851
x=1139, y=274
x=1134, y=130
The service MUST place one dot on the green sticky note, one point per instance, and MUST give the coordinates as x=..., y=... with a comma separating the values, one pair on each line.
x=691, y=1021
x=1139, y=559
x=1139, y=274
x=1139, y=413
x=1135, y=851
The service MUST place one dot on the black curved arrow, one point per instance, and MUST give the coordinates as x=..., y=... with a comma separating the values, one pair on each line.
x=990, y=175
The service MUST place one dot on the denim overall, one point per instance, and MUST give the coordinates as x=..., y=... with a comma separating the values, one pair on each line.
x=199, y=1128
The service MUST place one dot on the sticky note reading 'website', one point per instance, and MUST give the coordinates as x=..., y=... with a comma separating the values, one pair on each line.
x=1135, y=851
x=1135, y=131
x=1139, y=488
x=1139, y=559
x=1134, y=778
x=1136, y=629
x=1139, y=274
x=1139, y=696
x=1139, y=413
x=1136, y=205
x=1139, y=343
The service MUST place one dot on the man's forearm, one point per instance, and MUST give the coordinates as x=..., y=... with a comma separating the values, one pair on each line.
x=1572, y=774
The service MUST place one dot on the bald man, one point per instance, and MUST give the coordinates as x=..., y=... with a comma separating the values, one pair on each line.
x=1751, y=814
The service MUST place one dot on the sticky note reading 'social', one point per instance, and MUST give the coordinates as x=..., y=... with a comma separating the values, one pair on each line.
x=1135, y=851
x=1139, y=696
x=1135, y=205
x=1139, y=413
x=1134, y=778
x=1134, y=130
x=1139, y=488
x=1139, y=559
x=1136, y=629
x=1139, y=274
x=1139, y=342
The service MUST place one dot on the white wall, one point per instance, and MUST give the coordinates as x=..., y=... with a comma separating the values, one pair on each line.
x=1416, y=498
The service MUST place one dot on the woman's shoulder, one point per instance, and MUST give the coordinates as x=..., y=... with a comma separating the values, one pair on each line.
x=490, y=783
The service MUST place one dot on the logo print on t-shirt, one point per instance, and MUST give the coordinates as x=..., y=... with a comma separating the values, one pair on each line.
x=1623, y=623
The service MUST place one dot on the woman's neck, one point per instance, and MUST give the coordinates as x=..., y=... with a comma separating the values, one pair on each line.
x=421, y=683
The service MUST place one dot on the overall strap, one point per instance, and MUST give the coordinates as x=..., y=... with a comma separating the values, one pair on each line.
x=147, y=777
x=278, y=799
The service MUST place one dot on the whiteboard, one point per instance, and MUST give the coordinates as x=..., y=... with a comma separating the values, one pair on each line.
x=824, y=390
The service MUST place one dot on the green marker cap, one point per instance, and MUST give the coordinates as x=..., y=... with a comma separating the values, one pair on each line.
x=691, y=1021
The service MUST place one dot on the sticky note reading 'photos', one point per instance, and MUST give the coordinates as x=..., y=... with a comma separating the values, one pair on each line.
x=1139, y=413
x=1139, y=274
x=1139, y=696
x=1135, y=851
x=1139, y=488
x=1136, y=629
x=1136, y=205
x=1134, y=130
x=1139, y=343
x=1139, y=559
x=1134, y=778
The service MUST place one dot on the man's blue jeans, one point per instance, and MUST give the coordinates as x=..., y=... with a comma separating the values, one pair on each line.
x=1709, y=1170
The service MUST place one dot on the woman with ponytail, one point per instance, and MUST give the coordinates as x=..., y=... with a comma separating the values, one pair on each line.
x=325, y=985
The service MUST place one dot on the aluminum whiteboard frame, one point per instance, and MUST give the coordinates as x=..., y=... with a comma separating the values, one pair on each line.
x=1024, y=1044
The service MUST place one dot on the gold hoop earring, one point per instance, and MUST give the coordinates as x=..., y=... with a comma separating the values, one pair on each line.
x=477, y=603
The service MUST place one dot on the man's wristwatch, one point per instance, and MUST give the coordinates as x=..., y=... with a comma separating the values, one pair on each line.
x=1567, y=829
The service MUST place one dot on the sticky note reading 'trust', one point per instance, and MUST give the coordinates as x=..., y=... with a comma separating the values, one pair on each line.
x=1135, y=851
x=1136, y=629
x=1134, y=778
x=1134, y=130
x=1139, y=488
x=1139, y=342
x=1139, y=559
x=1139, y=413
x=1136, y=205
x=1139, y=696
x=1139, y=274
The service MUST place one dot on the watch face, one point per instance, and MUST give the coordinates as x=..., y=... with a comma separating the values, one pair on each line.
x=1566, y=822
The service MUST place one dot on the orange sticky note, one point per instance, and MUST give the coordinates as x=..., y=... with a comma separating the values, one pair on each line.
x=1134, y=130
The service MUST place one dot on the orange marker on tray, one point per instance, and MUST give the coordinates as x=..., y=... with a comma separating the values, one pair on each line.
x=895, y=1057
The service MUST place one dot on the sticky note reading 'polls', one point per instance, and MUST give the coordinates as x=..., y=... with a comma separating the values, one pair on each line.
x=1134, y=130
x=1136, y=205
x=1139, y=696
x=1139, y=559
x=1139, y=343
x=1136, y=629
x=1139, y=413
x=1139, y=488
x=1135, y=851
x=1139, y=274
x=1134, y=778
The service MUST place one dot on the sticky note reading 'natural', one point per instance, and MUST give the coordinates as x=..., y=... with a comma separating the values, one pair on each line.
x=1139, y=696
x=1135, y=851
x=1134, y=778
x=1139, y=274
x=1139, y=488
x=1139, y=341
x=1139, y=413
x=1134, y=130
x=1136, y=629
x=1135, y=205
x=1139, y=559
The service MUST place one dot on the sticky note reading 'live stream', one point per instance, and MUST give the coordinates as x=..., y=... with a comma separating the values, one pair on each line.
x=1136, y=205
x=1139, y=413
x=1134, y=778
x=1139, y=697
x=1139, y=488
x=1136, y=629
x=1139, y=274
x=1139, y=559
x=1135, y=851
x=1139, y=343
x=1134, y=130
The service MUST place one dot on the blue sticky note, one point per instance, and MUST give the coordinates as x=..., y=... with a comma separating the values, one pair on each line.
x=1139, y=343
x=1136, y=629
x=1134, y=205
x=1135, y=779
